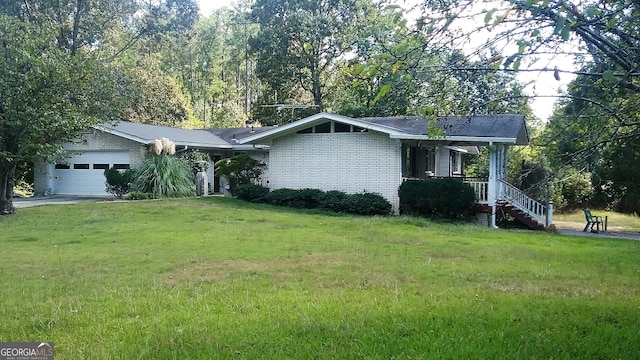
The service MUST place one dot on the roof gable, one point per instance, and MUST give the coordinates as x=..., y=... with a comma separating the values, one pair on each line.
x=469, y=129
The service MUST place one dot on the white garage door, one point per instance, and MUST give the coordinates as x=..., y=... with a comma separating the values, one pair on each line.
x=84, y=174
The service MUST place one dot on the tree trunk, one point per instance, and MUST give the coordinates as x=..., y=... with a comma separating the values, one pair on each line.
x=6, y=189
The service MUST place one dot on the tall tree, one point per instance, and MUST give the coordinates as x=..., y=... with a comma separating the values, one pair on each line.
x=47, y=95
x=298, y=44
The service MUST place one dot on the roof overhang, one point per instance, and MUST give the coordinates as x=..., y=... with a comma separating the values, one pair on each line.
x=394, y=133
x=459, y=139
x=144, y=141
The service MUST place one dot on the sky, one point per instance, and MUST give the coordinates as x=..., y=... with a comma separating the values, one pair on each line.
x=540, y=84
x=207, y=6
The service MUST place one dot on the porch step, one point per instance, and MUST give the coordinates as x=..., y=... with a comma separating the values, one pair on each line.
x=521, y=216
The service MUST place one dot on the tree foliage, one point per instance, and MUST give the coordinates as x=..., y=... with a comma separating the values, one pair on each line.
x=47, y=95
x=298, y=44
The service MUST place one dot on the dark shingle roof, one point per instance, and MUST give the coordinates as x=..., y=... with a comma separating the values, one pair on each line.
x=470, y=130
x=496, y=126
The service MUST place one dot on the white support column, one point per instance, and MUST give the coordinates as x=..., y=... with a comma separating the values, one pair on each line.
x=48, y=188
x=492, y=190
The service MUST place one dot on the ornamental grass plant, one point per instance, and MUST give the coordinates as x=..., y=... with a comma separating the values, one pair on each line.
x=163, y=175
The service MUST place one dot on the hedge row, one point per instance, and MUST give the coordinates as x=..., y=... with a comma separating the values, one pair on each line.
x=336, y=201
x=444, y=198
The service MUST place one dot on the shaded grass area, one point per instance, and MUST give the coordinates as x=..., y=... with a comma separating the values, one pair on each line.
x=216, y=278
x=618, y=221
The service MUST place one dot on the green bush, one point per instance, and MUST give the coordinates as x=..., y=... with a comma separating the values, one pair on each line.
x=251, y=193
x=136, y=195
x=334, y=200
x=446, y=198
x=367, y=204
x=575, y=191
x=286, y=197
x=240, y=169
x=118, y=182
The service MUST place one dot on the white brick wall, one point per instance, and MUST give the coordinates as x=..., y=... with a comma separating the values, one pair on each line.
x=350, y=162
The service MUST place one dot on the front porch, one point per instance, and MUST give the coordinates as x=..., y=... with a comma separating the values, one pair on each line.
x=494, y=194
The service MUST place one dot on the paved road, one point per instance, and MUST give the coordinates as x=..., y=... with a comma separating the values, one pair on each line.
x=602, y=234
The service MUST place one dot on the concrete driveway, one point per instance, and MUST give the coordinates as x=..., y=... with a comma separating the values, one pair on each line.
x=57, y=199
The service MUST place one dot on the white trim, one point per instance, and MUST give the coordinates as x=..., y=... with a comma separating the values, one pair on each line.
x=457, y=149
x=250, y=147
x=477, y=139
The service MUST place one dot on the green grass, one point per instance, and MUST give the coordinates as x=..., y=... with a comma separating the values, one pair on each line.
x=216, y=279
x=616, y=221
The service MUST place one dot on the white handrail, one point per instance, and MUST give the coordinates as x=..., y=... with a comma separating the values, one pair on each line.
x=523, y=202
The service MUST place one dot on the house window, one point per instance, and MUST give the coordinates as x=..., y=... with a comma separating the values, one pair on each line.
x=409, y=161
x=430, y=165
x=80, y=166
x=323, y=128
x=62, y=166
x=332, y=127
x=341, y=128
x=456, y=163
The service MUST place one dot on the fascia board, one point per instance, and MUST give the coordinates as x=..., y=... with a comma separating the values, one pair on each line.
x=250, y=147
x=478, y=139
x=121, y=134
x=457, y=149
x=202, y=146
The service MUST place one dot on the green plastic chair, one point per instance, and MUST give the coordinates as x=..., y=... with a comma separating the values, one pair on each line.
x=592, y=220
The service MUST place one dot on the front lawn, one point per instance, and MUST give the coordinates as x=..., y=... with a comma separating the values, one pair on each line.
x=216, y=278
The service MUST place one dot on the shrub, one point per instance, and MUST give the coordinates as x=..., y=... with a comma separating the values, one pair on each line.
x=118, y=182
x=575, y=190
x=285, y=197
x=240, y=169
x=310, y=198
x=336, y=201
x=136, y=195
x=447, y=198
x=367, y=204
x=251, y=193
x=333, y=200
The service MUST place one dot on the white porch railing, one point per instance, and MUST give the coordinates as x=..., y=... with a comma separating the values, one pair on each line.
x=482, y=191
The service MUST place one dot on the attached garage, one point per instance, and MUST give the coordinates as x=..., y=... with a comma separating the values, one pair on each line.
x=84, y=174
